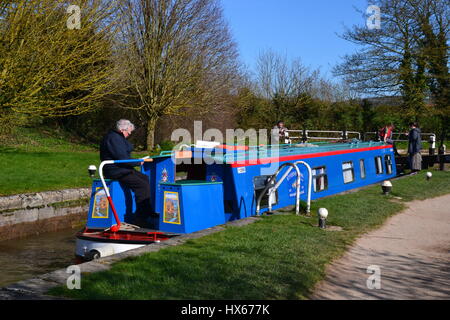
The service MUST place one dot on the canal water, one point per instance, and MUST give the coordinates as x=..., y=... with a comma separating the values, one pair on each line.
x=28, y=257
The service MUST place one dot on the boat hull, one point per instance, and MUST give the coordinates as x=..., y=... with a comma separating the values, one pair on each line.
x=94, y=244
x=89, y=250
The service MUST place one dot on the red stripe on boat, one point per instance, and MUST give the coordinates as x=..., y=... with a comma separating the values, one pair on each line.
x=234, y=148
x=253, y=162
x=123, y=236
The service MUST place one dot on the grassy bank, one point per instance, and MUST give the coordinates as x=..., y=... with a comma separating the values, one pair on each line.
x=41, y=160
x=278, y=257
x=24, y=172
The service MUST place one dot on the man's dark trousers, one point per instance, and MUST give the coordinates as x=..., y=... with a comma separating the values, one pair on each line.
x=139, y=183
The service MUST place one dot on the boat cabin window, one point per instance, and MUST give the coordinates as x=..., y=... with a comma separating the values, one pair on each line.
x=348, y=172
x=319, y=178
x=362, y=169
x=190, y=171
x=388, y=163
x=378, y=165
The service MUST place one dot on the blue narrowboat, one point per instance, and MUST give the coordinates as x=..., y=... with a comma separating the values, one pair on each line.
x=201, y=187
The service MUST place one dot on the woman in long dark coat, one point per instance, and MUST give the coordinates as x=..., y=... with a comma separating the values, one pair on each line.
x=414, y=147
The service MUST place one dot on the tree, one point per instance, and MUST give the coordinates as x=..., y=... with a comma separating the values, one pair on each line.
x=433, y=27
x=47, y=69
x=253, y=110
x=368, y=114
x=288, y=85
x=407, y=56
x=174, y=54
x=387, y=62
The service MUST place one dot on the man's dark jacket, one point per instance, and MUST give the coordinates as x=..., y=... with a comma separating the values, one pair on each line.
x=114, y=146
x=415, y=141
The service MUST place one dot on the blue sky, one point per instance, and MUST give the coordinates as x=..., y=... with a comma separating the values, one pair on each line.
x=295, y=28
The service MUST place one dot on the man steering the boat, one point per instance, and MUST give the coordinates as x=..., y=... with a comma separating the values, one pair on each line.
x=115, y=146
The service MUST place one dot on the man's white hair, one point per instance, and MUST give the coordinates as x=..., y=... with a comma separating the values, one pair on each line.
x=124, y=124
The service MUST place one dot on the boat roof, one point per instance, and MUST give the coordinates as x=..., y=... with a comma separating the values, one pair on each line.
x=285, y=150
x=233, y=153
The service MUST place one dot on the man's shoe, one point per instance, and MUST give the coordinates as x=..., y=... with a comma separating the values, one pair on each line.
x=141, y=222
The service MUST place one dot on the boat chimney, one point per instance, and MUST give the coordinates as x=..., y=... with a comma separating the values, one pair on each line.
x=92, y=169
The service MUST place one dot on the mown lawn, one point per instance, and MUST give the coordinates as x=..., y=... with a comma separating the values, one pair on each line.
x=24, y=172
x=278, y=257
x=38, y=160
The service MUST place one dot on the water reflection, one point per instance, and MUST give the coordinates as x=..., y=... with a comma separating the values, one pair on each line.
x=35, y=255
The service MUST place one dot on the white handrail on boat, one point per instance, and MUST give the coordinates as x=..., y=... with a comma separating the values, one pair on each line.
x=273, y=189
x=308, y=201
x=116, y=227
x=102, y=178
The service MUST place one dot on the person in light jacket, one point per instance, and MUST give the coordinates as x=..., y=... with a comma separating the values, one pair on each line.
x=281, y=133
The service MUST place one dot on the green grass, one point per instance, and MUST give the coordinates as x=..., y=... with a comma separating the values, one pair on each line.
x=43, y=159
x=44, y=140
x=24, y=172
x=278, y=257
x=35, y=160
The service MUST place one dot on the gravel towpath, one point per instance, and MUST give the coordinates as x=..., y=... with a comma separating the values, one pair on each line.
x=410, y=253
